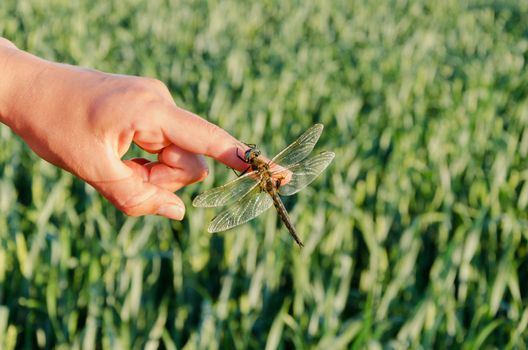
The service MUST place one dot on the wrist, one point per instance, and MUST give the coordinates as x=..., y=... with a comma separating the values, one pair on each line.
x=6, y=74
x=7, y=48
x=18, y=71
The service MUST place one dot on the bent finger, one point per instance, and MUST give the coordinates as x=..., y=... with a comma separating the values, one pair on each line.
x=176, y=169
x=135, y=196
x=192, y=164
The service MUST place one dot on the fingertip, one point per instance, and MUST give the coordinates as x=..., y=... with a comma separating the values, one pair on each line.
x=202, y=170
x=172, y=211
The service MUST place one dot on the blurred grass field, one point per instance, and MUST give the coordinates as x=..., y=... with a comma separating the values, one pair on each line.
x=416, y=235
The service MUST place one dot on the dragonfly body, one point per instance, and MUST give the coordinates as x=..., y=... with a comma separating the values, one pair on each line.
x=259, y=187
x=270, y=184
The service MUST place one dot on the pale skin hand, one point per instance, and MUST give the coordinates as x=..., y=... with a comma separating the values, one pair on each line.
x=84, y=121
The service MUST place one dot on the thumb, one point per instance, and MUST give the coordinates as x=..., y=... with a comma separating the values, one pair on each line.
x=134, y=195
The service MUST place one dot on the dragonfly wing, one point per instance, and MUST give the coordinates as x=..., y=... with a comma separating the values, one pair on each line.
x=218, y=196
x=305, y=172
x=247, y=208
x=300, y=148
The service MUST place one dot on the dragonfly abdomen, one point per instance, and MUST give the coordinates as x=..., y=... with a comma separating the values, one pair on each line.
x=281, y=210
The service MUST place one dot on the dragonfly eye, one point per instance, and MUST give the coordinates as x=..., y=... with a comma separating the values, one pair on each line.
x=247, y=155
x=251, y=153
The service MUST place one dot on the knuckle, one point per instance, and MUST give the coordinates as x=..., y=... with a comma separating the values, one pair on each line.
x=131, y=205
x=158, y=85
x=213, y=129
x=128, y=208
x=213, y=132
x=144, y=88
x=140, y=90
x=214, y=135
x=155, y=82
x=130, y=211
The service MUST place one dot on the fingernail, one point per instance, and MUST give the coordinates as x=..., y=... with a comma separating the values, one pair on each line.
x=172, y=211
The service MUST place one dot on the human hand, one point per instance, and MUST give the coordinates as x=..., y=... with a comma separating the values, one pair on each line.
x=84, y=121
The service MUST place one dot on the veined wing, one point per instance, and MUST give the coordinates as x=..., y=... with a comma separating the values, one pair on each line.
x=300, y=148
x=247, y=208
x=218, y=196
x=305, y=172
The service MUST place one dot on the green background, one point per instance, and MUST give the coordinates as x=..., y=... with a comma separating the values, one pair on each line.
x=416, y=235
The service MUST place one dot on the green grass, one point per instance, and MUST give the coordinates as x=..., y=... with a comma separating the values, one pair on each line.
x=416, y=235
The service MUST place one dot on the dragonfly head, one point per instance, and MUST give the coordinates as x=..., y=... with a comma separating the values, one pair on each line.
x=251, y=153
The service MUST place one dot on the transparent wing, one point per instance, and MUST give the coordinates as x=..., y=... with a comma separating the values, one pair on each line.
x=305, y=172
x=300, y=148
x=247, y=208
x=218, y=196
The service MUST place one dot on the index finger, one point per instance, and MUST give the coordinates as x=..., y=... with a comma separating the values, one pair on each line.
x=195, y=134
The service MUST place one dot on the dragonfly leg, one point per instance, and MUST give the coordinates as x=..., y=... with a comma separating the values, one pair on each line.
x=242, y=173
x=239, y=157
x=245, y=171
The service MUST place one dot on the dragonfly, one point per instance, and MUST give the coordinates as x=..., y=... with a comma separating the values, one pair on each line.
x=260, y=186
